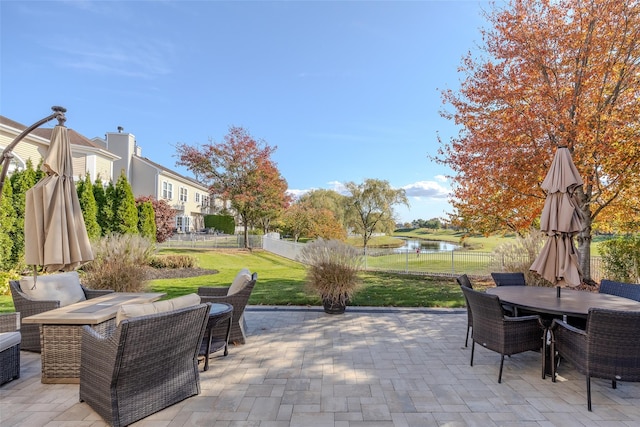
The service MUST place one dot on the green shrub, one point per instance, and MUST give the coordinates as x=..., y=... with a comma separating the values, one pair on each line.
x=120, y=262
x=223, y=223
x=173, y=261
x=621, y=258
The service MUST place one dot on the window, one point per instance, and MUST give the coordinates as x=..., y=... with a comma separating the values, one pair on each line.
x=183, y=194
x=167, y=190
x=197, y=197
x=183, y=223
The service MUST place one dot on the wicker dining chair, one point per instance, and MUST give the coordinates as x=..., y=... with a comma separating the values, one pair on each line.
x=608, y=349
x=463, y=280
x=508, y=279
x=497, y=332
x=621, y=289
x=238, y=300
x=27, y=306
x=146, y=364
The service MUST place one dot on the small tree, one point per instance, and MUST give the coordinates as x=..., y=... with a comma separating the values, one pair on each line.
x=370, y=207
x=125, y=219
x=7, y=224
x=21, y=181
x=147, y=221
x=89, y=207
x=101, y=206
x=164, y=216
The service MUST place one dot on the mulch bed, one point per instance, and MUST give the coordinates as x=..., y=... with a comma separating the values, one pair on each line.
x=177, y=273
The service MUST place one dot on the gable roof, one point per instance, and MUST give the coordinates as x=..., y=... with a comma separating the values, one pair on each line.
x=167, y=171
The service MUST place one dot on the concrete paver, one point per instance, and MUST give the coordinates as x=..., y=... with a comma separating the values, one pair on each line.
x=368, y=367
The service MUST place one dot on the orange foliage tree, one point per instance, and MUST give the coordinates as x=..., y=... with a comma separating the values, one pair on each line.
x=549, y=73
x=240, y=170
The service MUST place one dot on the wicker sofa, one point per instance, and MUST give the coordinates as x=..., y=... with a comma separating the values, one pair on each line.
x=9, y=347
x=238, y=299
x=28, y=306
x=146, y=364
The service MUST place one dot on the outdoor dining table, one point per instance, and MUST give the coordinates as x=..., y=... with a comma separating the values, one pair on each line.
x=61, y=331
x=571, y=304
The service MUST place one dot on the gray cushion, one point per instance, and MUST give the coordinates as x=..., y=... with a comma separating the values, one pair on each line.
x=127, y=311
x=63, y=287
x=240, y=281
x=9, y=339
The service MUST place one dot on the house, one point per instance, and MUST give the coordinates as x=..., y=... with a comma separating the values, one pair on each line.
x=88, y=157
x=117, y=153
x=188, y=197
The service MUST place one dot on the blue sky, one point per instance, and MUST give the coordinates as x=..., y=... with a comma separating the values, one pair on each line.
x=346, y=90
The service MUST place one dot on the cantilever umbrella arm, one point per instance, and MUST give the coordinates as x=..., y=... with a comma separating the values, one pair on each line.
x=5, y=159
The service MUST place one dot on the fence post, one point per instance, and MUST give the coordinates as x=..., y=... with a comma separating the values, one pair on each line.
x=453, y=267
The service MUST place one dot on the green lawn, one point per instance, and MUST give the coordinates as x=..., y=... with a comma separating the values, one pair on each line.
x=282, y=282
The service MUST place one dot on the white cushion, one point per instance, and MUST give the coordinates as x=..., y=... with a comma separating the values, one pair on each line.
x=63, y=287
x=240, y=281
x=127, y=311
x=9, y=339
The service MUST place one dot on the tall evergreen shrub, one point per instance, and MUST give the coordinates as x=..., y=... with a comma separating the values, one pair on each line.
x=89, y=207
x=147, y=221
x=125, y=212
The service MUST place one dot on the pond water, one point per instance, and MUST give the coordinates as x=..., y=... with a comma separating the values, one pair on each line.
x=426, y=246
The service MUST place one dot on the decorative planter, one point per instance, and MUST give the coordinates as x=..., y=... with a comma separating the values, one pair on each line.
x=333, y=307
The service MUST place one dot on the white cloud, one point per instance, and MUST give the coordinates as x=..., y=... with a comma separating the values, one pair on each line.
x=429, y=189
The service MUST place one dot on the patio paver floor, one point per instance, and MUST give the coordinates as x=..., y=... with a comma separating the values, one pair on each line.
x=368, y=367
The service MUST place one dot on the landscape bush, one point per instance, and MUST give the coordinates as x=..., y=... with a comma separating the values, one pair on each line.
x=173, y=261
x=120, y=263
x=621, y=259
x=518, y=255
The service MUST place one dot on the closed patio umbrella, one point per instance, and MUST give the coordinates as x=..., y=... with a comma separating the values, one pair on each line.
x=561, y=221
x=54, y=231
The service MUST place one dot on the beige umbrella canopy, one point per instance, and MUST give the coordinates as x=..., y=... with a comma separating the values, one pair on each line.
x=561, y=221
x=54, y=231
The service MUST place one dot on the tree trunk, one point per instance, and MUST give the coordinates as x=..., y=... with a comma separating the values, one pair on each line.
x=584, y=239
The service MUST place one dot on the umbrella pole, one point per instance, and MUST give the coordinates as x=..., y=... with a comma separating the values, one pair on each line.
x=5, y=159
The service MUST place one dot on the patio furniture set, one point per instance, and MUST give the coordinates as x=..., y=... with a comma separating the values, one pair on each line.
x=131, y=353
x=513, y=317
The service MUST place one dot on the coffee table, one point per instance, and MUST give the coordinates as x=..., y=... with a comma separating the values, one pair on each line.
x=218, y=313
x=61, y=331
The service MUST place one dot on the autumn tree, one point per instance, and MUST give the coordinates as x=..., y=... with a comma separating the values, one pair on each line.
x=296, y=221
x=240, y=170
x=370, y=207
x=549, y=74
x=327, y=199
x=164, y=214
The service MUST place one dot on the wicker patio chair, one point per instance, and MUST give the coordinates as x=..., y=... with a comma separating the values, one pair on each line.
x=463, y=280
x=27, y=306
x=509, y=279
x=621, y=289
x=500, y=333
x=238, y=300
x=9, y=347
x=148, y=363
x=608, y=349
